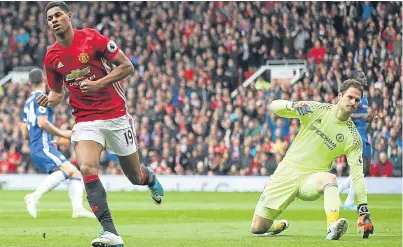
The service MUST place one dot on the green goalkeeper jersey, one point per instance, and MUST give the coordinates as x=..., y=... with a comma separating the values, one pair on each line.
x=321, y=139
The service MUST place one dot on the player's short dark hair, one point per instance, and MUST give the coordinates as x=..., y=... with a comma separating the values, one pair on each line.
x=36, y=76
x=351, y=83
x=62, y=5
x=360, y=76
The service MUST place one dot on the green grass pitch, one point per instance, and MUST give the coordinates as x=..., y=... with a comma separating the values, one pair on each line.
x=188, y=219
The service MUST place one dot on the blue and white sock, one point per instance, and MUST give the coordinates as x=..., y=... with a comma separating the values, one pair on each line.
x=345, y=184
x=76, y=193
x=350, y=196
x=50, y=182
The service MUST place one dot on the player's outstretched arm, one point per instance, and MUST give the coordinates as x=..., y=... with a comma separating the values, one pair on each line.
x=289, y=109
x=44, y=124
x=354, y=159
x=124, y=68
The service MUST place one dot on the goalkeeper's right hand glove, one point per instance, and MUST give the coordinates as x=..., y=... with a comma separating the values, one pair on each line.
x=364, y=224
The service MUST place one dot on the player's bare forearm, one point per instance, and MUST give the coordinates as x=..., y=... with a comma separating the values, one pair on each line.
x=120, y=72
x=124, y=69
x=55, y=98
x=44, y=124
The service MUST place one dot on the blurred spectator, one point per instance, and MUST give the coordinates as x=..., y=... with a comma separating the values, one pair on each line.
x=396, y=162
x=4, y=163
x=14, y=159
x=316, y=54
x=383, y=168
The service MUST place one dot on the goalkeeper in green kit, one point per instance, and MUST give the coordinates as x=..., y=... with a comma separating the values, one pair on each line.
x=326, y=133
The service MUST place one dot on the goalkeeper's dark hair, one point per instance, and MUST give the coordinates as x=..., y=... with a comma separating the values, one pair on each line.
x=35, y=76
x=351, y=83
x=62, y=5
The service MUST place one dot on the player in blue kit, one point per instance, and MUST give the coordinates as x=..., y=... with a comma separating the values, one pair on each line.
x=360, y=118
x=39, y=128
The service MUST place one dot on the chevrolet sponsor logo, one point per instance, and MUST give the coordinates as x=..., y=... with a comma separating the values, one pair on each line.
x=78, y=74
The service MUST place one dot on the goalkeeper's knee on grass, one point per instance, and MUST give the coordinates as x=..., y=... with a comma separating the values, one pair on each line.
x=276, y=227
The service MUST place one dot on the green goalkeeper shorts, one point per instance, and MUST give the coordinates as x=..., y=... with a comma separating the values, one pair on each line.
x=284, y=186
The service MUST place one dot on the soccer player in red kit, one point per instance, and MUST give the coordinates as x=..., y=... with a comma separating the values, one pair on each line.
x=82, y=61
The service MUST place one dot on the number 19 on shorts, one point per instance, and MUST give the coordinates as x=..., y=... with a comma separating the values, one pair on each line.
x=129, y=137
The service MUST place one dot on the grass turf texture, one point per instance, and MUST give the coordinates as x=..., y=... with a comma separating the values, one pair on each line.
x=188, y=219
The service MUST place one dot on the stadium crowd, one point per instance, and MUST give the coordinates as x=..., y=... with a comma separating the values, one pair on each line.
x=189, y=56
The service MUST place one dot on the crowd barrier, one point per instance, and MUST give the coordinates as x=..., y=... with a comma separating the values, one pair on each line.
x=375, y=185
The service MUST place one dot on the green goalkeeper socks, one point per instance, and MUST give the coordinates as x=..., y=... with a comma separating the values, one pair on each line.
x=332, y=203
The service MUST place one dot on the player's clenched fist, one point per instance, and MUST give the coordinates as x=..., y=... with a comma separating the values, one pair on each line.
x=43, y=100
x=364, y=224
x=301, y=107
x=88, y=86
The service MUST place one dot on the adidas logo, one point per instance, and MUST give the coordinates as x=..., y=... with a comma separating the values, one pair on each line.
x=319, y=120
x=59, y=65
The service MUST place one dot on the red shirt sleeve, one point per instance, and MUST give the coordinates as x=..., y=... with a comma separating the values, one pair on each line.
x=55, y=81
x=107, y=48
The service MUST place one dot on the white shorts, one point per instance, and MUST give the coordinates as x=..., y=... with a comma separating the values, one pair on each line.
x=117, y=135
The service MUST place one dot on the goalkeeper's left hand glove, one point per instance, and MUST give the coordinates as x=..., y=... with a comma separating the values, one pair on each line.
x=301, y=107
x=364, y=224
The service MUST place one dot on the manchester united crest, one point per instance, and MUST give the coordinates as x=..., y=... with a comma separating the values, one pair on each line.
x=83, y=57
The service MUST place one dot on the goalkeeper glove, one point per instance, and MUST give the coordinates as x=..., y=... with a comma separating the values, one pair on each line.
x=364, y=224
x=302, y=108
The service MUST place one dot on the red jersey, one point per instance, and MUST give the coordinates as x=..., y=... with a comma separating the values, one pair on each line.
x=86, y=58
